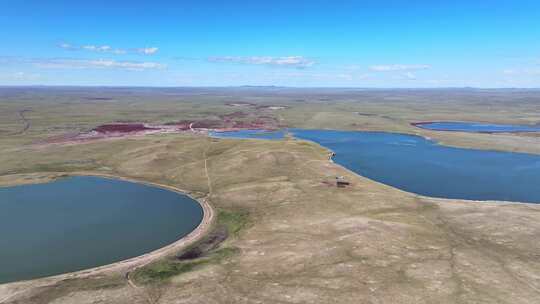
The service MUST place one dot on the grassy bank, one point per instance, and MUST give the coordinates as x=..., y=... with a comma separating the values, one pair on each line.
x=213, y=248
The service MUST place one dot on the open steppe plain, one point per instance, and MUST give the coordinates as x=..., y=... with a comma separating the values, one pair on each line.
x=292, y=238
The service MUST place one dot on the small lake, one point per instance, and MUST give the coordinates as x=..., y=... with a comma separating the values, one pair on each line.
x=81, y=222
x=421, y=166
x=476, y=127
x=249, y=134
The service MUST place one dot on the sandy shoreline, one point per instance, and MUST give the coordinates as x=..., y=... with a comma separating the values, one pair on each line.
x=8, y=290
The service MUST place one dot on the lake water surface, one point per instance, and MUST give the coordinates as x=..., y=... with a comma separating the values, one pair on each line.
x=81, y=222
x=250, y=134
x=421, y=166
x=476, y=127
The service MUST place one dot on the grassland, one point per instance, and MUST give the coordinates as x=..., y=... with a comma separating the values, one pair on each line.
x=291, y=237
x=210, y=249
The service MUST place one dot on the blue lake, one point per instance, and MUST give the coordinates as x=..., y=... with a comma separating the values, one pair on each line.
x=250, y=134
x=421, y=166
x=81, y=222
x=476, y=127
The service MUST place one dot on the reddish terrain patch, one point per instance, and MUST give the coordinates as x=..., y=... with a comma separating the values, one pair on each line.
x=248, y=125
x=123, y=128
x=228, y=122
x=237, y=114
x=63, y=138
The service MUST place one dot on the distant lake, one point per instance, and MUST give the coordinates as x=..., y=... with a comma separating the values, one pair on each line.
x=249, y=134
x=476, y=127
x=421, y=166
x=81, y=222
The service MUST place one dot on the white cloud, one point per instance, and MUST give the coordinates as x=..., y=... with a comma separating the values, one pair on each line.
x=148, y=51
x=287, y=61
x=108, y=49
x=125, y=64
x=66, y=46
x=60, y=63
x=103, y=49
x=399, y=67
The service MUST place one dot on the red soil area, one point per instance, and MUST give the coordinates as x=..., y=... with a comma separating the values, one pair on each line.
x=247, y=125
x=327, y=183
x=228, y=122
x=122, y=128
x=262, y=121
x=237, y=114
x=60, y=138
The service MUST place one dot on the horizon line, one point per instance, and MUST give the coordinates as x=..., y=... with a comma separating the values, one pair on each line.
x=270, y=87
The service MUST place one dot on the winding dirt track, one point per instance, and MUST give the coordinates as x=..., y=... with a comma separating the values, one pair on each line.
x=24, y=120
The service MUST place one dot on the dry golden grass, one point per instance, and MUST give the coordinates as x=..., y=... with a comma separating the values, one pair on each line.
x=306, y=242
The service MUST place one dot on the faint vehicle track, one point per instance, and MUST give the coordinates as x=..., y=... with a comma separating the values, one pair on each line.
x=127, y=275
x=24, y=120
x=137, y=288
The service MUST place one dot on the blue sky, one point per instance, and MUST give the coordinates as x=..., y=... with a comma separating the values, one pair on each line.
x=287, y=43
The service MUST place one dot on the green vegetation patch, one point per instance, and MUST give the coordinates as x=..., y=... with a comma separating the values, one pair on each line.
x=233, y=220
x=163, y=270
x=209, y=250
x=67, y=166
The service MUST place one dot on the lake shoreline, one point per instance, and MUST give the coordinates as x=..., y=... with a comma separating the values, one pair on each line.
x=425, y=125
x=431, y=198
x=127, y=265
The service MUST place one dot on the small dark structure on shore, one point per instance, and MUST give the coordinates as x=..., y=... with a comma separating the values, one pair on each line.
x=341, y=182
x=331, y=155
